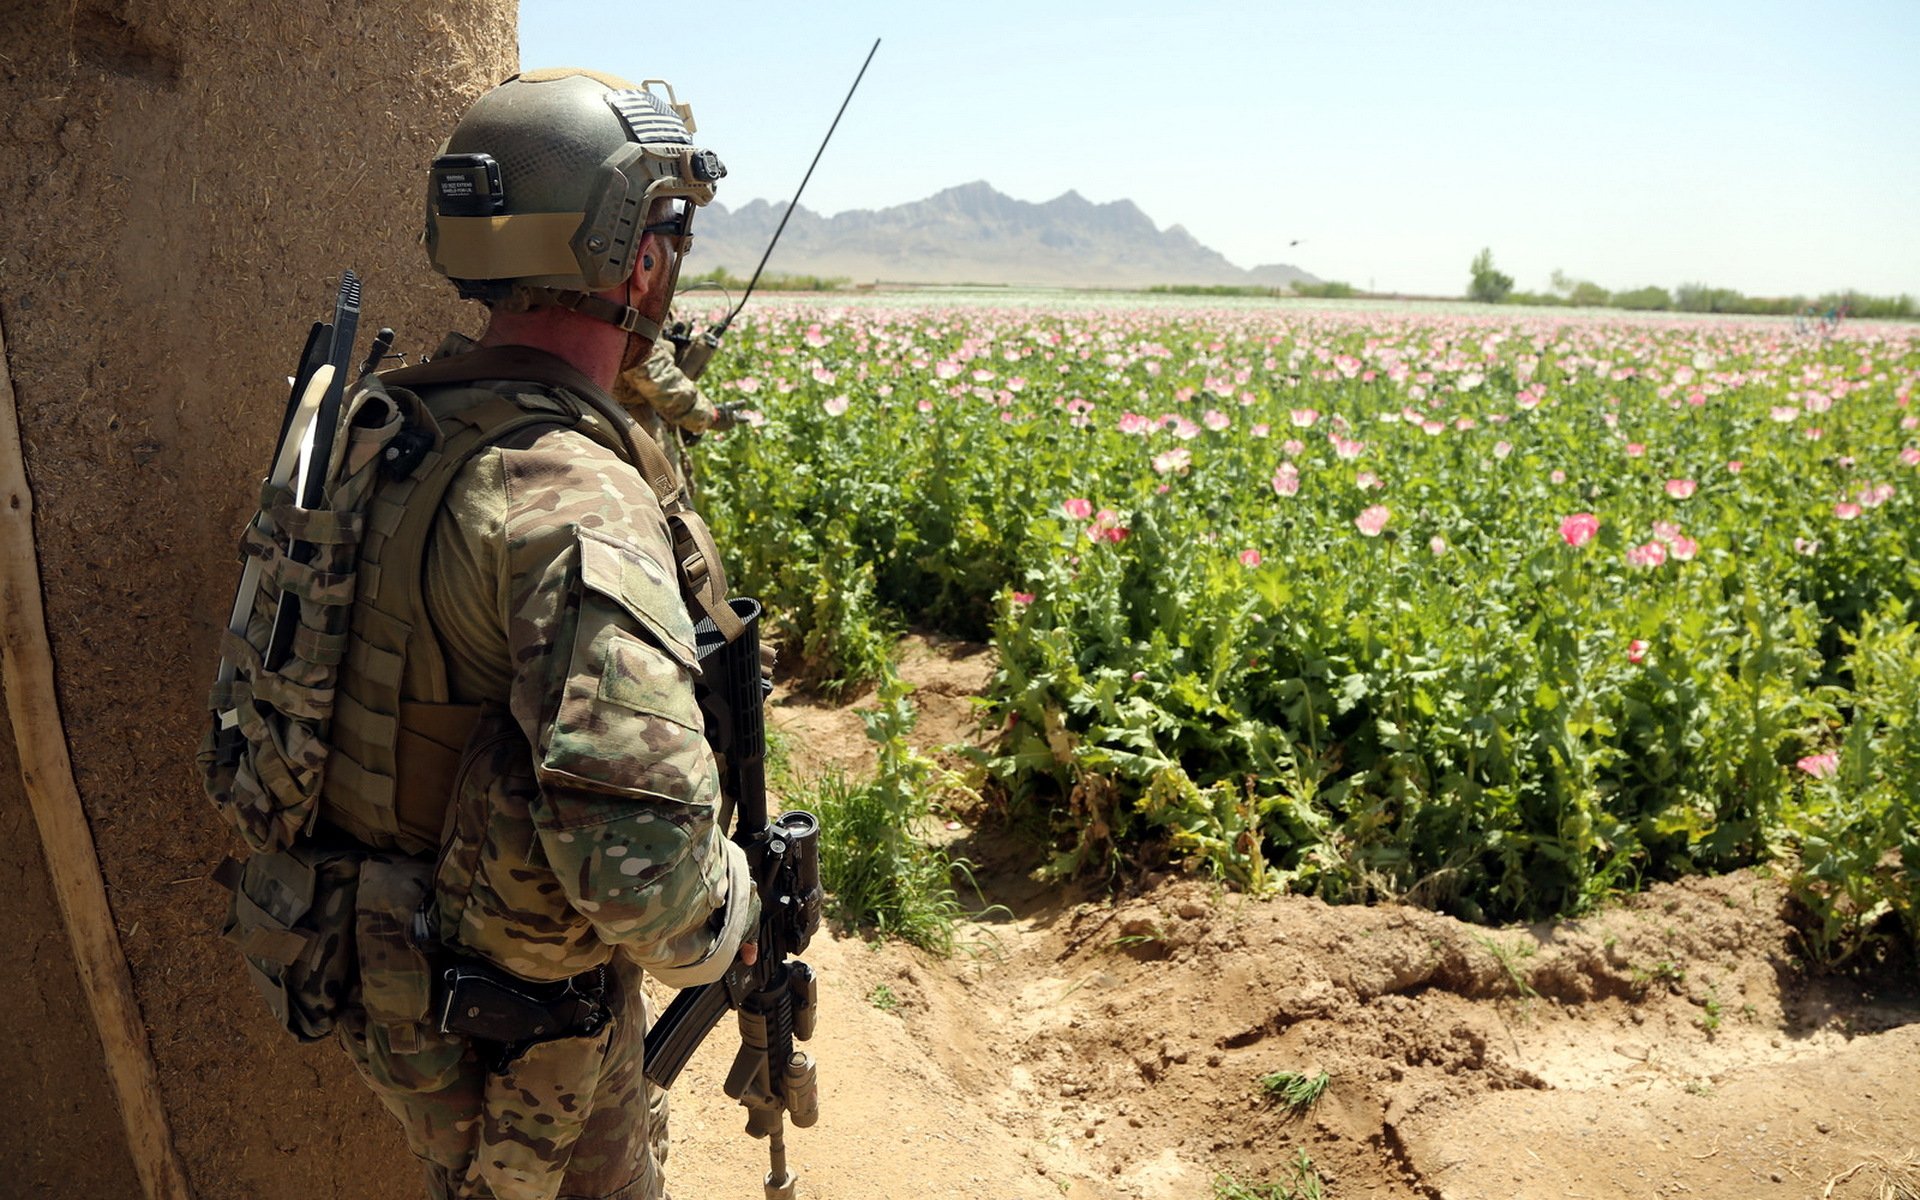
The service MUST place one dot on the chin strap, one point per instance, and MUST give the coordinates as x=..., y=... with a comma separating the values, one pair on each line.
x=621, y=316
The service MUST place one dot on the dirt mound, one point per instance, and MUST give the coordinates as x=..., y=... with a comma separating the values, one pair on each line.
x=1668, y=1046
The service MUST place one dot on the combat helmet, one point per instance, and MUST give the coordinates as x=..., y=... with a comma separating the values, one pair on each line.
x=541, y=192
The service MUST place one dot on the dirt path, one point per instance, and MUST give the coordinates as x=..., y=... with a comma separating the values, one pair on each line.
x=1095, y=1049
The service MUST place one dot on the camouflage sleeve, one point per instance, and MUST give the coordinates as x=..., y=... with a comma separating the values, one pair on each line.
x=602, y=660
x=659, y=382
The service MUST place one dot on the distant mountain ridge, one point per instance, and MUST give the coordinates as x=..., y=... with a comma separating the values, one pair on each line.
x=974, y=234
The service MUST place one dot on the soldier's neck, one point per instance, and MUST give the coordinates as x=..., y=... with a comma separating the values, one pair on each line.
x=591, y=347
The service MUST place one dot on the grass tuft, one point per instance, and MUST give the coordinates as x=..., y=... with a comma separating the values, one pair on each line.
x=1296, y=1090
x=876, y=869
x=1303, y=1183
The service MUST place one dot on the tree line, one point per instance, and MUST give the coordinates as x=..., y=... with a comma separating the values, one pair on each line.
x=1489, y=285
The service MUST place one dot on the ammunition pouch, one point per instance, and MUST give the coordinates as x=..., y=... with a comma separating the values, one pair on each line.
x=292, y=917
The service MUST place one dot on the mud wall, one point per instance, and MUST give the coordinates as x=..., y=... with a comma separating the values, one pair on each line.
x=180, y=187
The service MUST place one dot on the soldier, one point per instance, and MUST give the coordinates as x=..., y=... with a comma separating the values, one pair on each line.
x=557, y=673
x=665, y=402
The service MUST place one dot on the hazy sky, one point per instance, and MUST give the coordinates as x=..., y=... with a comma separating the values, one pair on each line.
x=1769, y=147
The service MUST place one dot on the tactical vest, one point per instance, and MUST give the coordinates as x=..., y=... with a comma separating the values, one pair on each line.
x=358, y=727
x=396, y=736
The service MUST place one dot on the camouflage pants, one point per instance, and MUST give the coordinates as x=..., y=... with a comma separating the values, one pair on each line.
x=571, y=1119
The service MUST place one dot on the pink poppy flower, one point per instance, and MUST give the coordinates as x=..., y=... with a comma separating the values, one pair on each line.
x=1346, y=448
x=1260, y=429
x=1684, y=548
x=1636, y=449
x=1820, y=766
x=1293, y=447
x=1680, y=489
x=1286, y=480
x=749, y=385
x=1502, y=449
x=1177, y=459
x=1303, y=417
x=1666, y=531
x=1106, y=527
x=1636, y=652
x=1249, y=558
x=1556, y=476
x=1023, y=597
x=1367, y=481
x=1578, y=529
x=822, y=375
x=1874, y=495
x=835, y=406
x=1784, y=413
x=1647, y=554
x=1807, y=548
x=1437, y=544
x=1735, y=466
x=1079, y=508
x=1846, y=510
x=1131, y=422
x=1216, y=420
x=1911, y=456
x=1373, y=520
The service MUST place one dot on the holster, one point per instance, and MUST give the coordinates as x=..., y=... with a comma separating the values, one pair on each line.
x=507, y=1014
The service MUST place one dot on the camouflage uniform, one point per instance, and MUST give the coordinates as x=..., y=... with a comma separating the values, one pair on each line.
x=550, y=586
x=664, y=401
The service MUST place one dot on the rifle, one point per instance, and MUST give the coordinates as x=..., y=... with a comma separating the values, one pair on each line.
x=691, y=351
x=774, y=998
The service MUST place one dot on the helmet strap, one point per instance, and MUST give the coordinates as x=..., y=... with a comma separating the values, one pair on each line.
x=624, y=317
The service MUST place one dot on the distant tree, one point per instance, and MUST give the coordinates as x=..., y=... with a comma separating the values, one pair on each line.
x=1645, y=299
x=1699, y=297
x=1588, y=294
x=1331, y=289
x=1488, y=286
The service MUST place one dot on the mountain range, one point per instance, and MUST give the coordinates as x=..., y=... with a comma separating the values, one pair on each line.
x=973, y=234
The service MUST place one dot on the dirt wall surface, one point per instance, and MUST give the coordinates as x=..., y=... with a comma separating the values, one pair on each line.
x=180, y=187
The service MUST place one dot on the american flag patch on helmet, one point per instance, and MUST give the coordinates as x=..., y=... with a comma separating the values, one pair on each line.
x=648, y=118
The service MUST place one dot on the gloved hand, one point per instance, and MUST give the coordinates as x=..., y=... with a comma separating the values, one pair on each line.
x=727, y=414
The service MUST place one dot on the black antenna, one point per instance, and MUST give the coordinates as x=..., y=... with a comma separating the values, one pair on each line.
x=803, y=187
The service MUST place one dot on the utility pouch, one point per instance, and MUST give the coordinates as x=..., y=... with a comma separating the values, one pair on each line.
x=533, y=1111
x=292, y=917
x=396, y=977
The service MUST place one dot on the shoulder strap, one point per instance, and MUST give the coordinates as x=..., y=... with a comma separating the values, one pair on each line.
x=703, y=578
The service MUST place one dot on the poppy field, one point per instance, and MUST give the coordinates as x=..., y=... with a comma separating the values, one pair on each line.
x=1499, y=614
